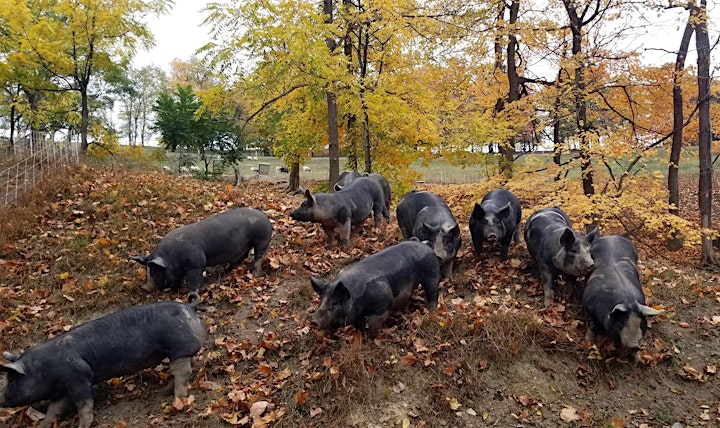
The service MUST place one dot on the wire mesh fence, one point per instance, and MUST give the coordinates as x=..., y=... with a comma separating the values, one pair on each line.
x=30, y=161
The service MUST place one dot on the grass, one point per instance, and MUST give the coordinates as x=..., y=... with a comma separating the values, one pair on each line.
x=441, y=171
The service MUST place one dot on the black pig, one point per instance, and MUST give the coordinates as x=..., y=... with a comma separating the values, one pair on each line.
x=558, y=249
x=64, y=368
x=496, y=219
x=348, y=177
x=366, y=292
x=348, y=206
x=224, y=238
x=425, y=215
x=613, y=299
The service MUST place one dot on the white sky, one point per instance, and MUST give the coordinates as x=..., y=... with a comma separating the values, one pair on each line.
x=178, y=34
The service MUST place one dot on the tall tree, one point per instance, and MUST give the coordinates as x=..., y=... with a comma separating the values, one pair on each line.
x=702, y=42
x=580, y=15
x=332, y=108
x=74, y=41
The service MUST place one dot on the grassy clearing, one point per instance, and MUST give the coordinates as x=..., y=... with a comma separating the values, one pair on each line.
x=442, y=172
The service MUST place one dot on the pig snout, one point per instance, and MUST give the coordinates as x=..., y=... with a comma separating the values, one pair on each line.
x=492, y=237
x=632, y=334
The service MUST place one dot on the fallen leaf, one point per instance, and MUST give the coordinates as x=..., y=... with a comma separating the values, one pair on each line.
x=258, y=408
x=569, y=414
x=454, y=403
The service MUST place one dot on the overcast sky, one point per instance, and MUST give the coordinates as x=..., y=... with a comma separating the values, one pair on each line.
x=179, y=34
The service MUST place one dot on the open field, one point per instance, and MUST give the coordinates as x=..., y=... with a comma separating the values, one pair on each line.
x=442, y=172
x=490, y=356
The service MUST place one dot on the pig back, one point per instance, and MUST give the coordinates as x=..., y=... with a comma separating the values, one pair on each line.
x=121, y=343
x=421, y=206
x=543, y=227
x=615, y=278
x=220, y=239
x=402, y=265
x=361, y=196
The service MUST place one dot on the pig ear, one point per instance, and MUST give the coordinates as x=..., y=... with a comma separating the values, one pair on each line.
x=648, y=311
x=337, y=187
x=429, y=228
x=10, y=357
x=309, y=196
x=618, y=310
x=594, y=234
x=341, y=292
x=140, y=259
x=16, y=367
x=504, y=211
x=455, y=231
x=478, y=211
x=158, y=261
x=318, y=285
x=567, y=237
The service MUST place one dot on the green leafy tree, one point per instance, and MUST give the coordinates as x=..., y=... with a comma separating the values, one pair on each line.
x=185, y=122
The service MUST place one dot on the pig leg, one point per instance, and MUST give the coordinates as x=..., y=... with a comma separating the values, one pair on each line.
x=375, y=322
x=431, y=291
x=345, y=233
x=181, y=370
x=85, y=412
x=503, y=252
x=516, y=235
x=378, y=214
x=446, y=268
x=548, y=280
x=54, y=410
x=259, y=251
x=330, y=232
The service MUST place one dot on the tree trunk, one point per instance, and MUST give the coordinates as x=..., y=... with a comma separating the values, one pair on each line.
x=507, y=150
x=576, y=28
x=678, y=118
x=294, y=179
x=333, y=139
x=366, y=139
x=333, y=144
x=677, y=240
x=12, y=127
x=702, y=42
x=84, y=121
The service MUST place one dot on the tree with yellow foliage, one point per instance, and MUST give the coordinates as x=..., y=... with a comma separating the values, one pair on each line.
x=74, y=41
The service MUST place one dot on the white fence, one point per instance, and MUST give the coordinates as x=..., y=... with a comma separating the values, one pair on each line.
x=32, y=161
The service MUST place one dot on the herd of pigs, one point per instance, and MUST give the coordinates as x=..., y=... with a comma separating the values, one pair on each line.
x=64, y=369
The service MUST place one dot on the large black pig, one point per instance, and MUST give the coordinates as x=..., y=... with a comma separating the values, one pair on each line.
x=366, y=292
x=425, y=215
x=613, y=299
x=224, y=238
x=348, y=177
x=64, y=368
x=349, y=206
x=496, y=219
x=558, y=249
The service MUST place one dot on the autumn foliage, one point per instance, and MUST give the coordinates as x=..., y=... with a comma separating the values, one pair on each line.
x=490, y=355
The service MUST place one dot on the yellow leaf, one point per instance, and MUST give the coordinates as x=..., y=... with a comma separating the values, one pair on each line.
x=454, y=403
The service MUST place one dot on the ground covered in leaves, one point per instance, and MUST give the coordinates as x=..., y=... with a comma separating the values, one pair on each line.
x=490, y=356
